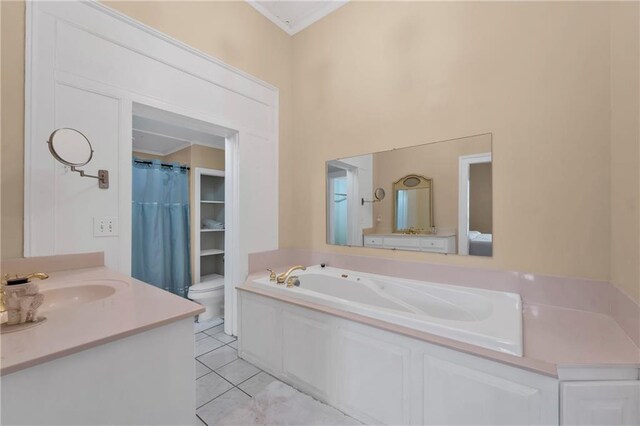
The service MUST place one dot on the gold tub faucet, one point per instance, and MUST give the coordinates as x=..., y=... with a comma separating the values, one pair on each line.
x=282, y=278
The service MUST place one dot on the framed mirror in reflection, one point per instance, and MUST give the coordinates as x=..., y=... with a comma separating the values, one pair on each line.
x=413, y=212
x=442, y=198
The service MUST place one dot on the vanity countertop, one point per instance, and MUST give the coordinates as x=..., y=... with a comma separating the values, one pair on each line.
x=133, y=308
x=553, y=336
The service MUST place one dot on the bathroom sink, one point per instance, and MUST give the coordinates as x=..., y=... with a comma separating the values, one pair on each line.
x=76, y=294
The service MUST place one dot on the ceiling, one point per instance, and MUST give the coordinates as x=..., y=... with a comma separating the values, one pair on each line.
x=161, y=137
x=294, y=16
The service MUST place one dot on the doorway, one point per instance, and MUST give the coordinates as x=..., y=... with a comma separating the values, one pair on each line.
x=179, y=209
x=343, y=204
x=470, y=208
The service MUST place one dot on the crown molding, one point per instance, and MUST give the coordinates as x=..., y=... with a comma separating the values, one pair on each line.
x=329, y=7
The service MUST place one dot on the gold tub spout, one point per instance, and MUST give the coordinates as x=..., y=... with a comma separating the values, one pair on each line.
x=38, y=275
x=282, y=278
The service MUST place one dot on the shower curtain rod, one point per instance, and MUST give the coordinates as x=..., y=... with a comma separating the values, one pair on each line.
x=163, y=164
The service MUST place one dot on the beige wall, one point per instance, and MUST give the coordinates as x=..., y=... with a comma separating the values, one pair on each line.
x=375, y=76
x=202, y=156
x=480, y=198
x=12, y=135
x=625, y=148
x=145, y=156
x=184, y=156
x=437, y=161
x=0, y=139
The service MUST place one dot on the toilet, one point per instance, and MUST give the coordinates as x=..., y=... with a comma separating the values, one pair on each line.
x=209, y=294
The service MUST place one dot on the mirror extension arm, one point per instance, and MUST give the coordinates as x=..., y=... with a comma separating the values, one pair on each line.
x=367, y=201
x=378, y=195
x=103, y=177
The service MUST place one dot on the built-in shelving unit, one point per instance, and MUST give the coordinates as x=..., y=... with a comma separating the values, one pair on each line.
x=209, y=220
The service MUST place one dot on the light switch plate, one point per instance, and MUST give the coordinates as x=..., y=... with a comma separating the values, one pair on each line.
x=105, y=226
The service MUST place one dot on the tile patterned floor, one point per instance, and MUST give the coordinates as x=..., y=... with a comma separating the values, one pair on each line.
x=223, y=381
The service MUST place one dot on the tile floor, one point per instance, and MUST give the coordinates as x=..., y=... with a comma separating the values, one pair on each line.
x=223, y=381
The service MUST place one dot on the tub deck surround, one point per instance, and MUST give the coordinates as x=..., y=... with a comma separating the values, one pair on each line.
x=626, y=312
x=570, y=337
x=553, y=336
x=535, y=289
x=574, y=293
x=135, y=307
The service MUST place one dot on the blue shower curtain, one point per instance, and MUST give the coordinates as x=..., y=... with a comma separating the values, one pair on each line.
x=160, y=228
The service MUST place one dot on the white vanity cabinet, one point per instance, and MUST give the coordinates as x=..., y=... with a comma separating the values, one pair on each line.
x=445, y=243
x=597, y=403
x=144, y=379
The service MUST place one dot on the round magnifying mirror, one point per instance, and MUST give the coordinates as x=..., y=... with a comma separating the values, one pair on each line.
x=379, y=194
x=70, y=147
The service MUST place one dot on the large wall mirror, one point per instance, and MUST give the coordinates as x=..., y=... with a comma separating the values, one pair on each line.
x=436, y=197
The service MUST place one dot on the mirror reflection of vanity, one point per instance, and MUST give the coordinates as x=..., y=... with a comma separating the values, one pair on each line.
x=413, y=205
x=440, y=198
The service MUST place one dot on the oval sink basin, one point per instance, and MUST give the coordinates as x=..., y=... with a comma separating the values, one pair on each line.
x=69, y=297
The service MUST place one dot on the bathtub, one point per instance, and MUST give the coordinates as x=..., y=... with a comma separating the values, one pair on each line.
x=490, y=319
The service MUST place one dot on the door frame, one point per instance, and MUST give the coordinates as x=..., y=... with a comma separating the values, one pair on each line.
x=233, y=265
x=464, y=164
x=354, y=233
x=330, y=211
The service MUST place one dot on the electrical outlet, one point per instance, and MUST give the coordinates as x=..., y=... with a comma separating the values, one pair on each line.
x=105, y=226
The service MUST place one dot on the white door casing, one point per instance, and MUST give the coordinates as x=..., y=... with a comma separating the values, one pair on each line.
x=464, y=162
x=358, y=215
x=86, y=65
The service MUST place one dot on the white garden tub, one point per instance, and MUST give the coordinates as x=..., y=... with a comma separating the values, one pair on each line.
x=490, y=319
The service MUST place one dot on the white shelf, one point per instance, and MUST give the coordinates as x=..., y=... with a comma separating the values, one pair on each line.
x=212, y=230
x=211, y=202
x=211, y=252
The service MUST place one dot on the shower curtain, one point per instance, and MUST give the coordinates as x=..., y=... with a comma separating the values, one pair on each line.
x=160, y=229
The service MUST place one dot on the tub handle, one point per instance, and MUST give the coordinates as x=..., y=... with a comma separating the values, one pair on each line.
x=293, y=281
x=272, y=275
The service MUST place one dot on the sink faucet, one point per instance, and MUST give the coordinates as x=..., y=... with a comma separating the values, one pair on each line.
x=282, y=278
